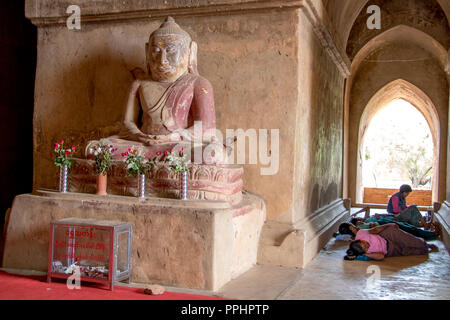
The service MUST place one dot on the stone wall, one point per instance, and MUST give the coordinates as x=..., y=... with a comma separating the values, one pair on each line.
x=83, y=78
x=326, y=85
x=295, y=238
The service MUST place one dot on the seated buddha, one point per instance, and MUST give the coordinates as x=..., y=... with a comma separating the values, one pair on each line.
x=164, y=103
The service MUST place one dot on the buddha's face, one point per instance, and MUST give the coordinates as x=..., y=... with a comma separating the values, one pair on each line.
x=169, y=57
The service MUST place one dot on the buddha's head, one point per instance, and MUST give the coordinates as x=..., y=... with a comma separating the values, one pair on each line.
x=170, y=52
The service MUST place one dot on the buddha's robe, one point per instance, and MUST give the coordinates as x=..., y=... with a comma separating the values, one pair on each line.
x=188, y=99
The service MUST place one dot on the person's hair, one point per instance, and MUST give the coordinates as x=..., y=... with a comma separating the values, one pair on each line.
x=405, y=188
x=355, y=249
x=344, y=228
x=354, y=221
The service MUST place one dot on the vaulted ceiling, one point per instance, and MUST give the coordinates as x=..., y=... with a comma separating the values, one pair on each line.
x=343, y=13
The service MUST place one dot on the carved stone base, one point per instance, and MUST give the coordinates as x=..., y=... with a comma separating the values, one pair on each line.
x=205, y=182
x=191, y=244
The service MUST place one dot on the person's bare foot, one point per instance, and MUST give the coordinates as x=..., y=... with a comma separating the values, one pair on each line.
x=433, y=248
x=436, y=227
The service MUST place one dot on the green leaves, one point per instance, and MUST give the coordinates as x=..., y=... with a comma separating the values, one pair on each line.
x=136, y=163
x=103, y=157
x=177, y=163
x=62, y=155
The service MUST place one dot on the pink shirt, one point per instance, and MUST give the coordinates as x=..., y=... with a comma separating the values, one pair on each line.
x=377, y=243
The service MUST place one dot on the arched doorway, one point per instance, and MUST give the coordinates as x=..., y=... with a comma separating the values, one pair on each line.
x=399, y=90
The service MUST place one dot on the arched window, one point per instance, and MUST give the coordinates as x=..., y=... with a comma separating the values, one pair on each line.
x=398, y=149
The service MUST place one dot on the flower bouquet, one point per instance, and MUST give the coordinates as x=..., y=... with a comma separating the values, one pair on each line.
x=102, y=157
x=137, y=165
x=62, y=155
x=179, y=163
x=63, y=163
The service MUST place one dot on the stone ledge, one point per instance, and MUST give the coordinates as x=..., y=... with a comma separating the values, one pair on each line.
x=87, y=198
x=45, y=13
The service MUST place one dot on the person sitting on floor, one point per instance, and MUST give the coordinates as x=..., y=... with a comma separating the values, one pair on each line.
x=402, y=213
x=378, y=220
x=387, y=241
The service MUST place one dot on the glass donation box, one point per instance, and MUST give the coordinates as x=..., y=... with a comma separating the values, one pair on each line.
x=95, y=250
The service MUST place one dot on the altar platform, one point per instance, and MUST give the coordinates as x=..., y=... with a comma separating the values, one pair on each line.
x=199, y=244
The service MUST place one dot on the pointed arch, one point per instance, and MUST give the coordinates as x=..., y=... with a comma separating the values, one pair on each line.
x=402, y=33
x=400, y=89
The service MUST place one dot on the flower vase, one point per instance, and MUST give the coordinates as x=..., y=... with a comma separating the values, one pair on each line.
x=63, y=174
x=183, y=184
x=141, y=185
x=102, y=182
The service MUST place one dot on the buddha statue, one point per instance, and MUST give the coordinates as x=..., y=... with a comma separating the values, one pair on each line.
x=165, y=102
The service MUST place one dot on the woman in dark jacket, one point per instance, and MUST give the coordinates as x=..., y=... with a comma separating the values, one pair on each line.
x=402, y=213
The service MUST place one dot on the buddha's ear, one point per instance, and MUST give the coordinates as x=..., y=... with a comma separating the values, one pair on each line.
x=147, y=58
x=193, y=58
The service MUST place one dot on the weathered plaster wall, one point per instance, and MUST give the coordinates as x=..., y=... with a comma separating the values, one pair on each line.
x=318, y=208
x=420, y=69
x=83, y=77
x=321, y=98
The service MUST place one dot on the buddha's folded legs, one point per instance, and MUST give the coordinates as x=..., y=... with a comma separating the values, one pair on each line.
x=200, y=153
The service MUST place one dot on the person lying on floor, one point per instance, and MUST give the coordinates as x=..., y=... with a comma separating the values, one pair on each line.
x=402, y=213
x=378, y=220
x=387, y=241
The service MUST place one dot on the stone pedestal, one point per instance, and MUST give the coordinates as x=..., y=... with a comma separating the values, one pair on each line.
x=192, y=244
x=205, y=182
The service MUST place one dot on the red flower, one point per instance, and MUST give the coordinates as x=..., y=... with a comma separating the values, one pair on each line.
x=158, y=153
x=67, y=152
x=129, y=149
x=181, y=150
x=166, y=153
x=62, y=141
x=56, y=145
x=171, y=150
x=73, y=148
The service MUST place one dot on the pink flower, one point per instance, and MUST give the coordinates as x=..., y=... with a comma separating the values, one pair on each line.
x=171, y=150
x=129, y=149
x=166, y=153
x=73, y=148
x=56, y=145
x=181, y=150
x=62, y=141
x=134, y=151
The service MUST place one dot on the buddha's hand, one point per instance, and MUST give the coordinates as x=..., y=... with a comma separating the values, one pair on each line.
x=158, y=139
